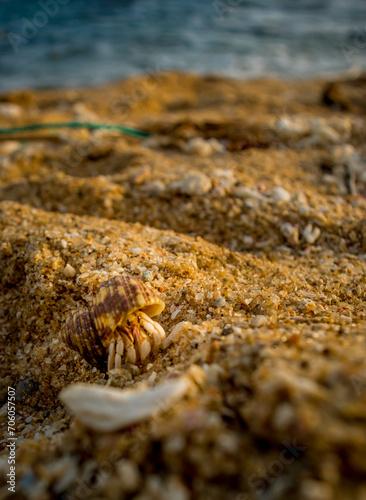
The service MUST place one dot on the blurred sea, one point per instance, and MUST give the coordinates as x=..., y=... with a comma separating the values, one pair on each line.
x=77, y=42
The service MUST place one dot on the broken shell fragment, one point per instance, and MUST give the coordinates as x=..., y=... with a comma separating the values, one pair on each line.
x=108, y=409
x=179, y=329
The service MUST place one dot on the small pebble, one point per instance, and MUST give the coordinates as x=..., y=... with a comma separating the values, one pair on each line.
x=198, y=146
x=175, y=313
x=316, y=490
x=216, y=146
x=291, y=233
x=197, y=374
x=129, y=475
x=152, y=377
x=248, y=240
x=307, y=305
x=290, y=126
x=245, y=192
x=221, y=302
x=27, y=429
x=280, y=194
x=201, y=147
x=227, y=330
x=148, y=276
x=323, y=133
x=283, y=416
x=69, y=271
x=311, y=234
x=174, y=444
x=141, y=175
x=344, y=154
x=225, y=177
x=155, y=188
x=194, y=184
x=259, y=321
x=83, y=113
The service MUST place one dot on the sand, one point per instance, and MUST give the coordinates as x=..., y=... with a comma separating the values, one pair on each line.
x=245, y=210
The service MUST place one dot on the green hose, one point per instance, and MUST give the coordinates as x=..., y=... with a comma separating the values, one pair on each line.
x=90, y=126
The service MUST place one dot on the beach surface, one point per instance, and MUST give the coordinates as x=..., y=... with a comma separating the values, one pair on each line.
x=244, y=208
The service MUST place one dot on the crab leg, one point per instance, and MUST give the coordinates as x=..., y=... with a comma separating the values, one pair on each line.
x=111, y=355
x=142, y=341
x=119, y=353
x=130, y=350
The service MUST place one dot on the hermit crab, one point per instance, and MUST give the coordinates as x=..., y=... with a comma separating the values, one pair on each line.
x=117, y=325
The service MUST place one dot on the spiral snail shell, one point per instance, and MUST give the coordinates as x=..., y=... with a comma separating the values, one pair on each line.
x=117, y=325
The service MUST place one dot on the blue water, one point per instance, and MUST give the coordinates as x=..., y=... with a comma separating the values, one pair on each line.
x=90, y=42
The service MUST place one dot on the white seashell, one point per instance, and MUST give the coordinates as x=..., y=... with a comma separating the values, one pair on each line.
x=108, y=409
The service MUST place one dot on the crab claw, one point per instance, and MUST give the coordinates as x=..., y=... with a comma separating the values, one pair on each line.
x=154, y=329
